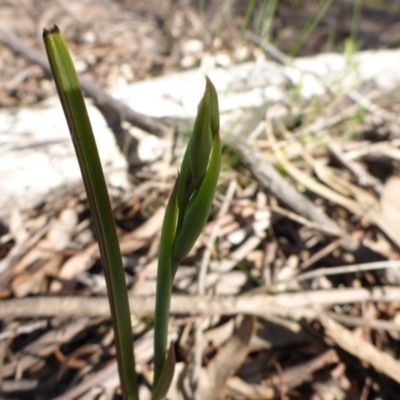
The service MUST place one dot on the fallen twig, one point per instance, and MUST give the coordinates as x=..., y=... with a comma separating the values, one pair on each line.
x=297, y=305
x=348, y=269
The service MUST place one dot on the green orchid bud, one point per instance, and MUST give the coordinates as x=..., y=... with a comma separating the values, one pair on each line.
x=201, y=140
x=198, y=209
x=197, y=155
x=185, y=216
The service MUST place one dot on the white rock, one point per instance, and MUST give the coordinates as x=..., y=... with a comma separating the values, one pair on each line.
x=37, y=158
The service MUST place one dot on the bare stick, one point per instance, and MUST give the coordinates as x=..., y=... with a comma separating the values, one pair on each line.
x=306, y=304
x=348, y=269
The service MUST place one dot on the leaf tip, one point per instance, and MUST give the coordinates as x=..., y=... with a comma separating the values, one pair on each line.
x=51, y=30
x=213, y=102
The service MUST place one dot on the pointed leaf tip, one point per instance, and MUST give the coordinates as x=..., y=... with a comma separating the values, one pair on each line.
x=214, y=106
x=51, y=30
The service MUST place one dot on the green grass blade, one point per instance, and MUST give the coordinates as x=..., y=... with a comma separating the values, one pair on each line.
x=310, y=25
x=80, y=128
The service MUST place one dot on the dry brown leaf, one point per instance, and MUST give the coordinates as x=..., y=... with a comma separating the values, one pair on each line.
x=228, y=359
x=46, y=258
x=83, y=260
x=360, y=348
x=74, y=265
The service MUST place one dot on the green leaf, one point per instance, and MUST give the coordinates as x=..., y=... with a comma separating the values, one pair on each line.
x=82, y=136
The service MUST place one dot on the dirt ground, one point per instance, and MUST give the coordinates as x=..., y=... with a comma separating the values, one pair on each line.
x=119, y=42
x=334, y=333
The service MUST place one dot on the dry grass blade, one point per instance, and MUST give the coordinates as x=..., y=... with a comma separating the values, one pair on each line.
x=314, y=186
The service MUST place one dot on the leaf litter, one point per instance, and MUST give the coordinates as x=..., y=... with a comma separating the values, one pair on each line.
x=287, y=293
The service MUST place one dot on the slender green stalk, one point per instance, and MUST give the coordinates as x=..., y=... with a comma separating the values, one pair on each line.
x=163, y=296
x=310, y=25
x=247, y=16
x=356, y=19
x=80, y=128
x=266, y=18
x=185, y=216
